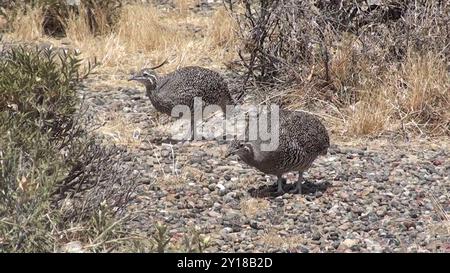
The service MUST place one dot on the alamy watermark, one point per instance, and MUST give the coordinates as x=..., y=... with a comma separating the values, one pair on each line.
x=242, y=122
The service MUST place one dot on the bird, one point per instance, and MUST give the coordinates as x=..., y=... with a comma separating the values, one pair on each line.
x=181, y=86
x=302, y=138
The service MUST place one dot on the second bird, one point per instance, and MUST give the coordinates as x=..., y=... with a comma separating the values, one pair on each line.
x=181, y=86
x=302, y=138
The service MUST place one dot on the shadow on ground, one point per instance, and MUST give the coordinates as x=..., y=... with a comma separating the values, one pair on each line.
x=308, y=188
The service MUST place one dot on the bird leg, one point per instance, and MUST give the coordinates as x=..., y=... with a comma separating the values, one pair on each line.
x=280, y=185
x=298, y=185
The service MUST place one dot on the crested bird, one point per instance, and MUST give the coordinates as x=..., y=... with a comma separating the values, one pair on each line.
x=182, y=86
x=302, y=138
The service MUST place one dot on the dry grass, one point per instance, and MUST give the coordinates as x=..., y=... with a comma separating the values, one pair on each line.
x=177, y=179
x=411, y=97
x=345, y=64
x=182, y=7
x=252, y=207
x=273, y=239
x=426, y=94
x=185, y=40
x=222, y=30
x=378, y=79
x=170, y=181
x=3, y=23
x=77, y=27
x=369, y=116
x=145, y=29
x=27, y=24
x=119, y=130
x=143, y=36
x=414, y=98
x=367, y=98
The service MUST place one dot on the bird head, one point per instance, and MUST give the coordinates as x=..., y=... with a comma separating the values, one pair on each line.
x=147, y=77
x=239, y=148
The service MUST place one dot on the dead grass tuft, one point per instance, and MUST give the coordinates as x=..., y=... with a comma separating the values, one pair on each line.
x=182, y=7
x=424, y=98
x=119, y=130
x=222, y=30
x=252, y=207
x=414, y=98
x=27, y=25
x=143, y=28
x=370, y=116
x=273, y=239
x=142, y=36
x=176, y=179
x=77, y=27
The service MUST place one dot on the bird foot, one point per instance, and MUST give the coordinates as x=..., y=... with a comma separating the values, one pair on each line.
x=297, y=189
x=279, y=192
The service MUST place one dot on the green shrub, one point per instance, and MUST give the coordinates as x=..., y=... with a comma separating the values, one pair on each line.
x=53, y=174
x=40, y=82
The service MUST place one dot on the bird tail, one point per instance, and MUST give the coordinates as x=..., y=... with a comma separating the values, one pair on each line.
x=235, y=94
x=238, y=97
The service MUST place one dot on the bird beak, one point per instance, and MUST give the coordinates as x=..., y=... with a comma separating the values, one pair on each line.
x=229, y=153
x=136, y=78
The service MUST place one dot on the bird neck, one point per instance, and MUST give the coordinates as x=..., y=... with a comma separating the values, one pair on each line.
x=249, y=157
x=150, y=92
x=151, y=84
x=152, y=95
x=160, y=102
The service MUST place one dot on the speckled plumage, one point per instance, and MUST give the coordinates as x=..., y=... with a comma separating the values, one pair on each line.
x=181, y=86
x=302, y=139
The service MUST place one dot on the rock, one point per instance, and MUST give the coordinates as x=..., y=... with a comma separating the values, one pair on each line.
x=348, y=244
x=214, y=214
x=254, y=224
x=222, y=189
x=227, y=230
x=229, y=197
x=316, y=236
x=216, y=206
x=212, y=187
x=73, y=247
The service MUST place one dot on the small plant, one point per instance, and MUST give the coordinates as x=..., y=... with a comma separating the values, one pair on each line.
x=194, y=241
x=41, y=84
x=161, y=237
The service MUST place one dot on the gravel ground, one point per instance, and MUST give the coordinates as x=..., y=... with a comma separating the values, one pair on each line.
x=372, y=197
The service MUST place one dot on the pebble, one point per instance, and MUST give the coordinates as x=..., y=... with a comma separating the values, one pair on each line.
x=222, y=189
x=349, y=243
x=316, y=236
